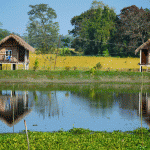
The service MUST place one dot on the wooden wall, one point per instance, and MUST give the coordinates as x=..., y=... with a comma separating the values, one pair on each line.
x=149, y=56
x=11, y=44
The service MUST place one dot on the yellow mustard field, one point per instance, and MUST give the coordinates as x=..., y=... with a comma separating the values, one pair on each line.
x=83, y=62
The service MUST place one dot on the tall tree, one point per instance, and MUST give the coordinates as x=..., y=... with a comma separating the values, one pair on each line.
x=1, y=24
x=3, y=32
x=42, y=32
x=25, y=37
x=94, y=25
x=133, y=27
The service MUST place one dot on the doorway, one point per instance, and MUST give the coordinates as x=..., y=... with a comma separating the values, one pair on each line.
x=21, y=54
x=14, y=66
x=144, y=56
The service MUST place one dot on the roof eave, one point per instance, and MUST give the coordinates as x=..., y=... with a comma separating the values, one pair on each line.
x=15, y=37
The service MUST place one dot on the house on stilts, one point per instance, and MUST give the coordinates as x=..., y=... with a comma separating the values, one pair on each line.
x=15, y=51
x=144, y=54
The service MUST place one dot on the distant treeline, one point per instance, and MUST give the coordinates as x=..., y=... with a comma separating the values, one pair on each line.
x=97, y=31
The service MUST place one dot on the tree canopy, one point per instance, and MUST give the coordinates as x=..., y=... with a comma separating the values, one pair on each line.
x=42, y=32
x=133, y=27
x=95, y=26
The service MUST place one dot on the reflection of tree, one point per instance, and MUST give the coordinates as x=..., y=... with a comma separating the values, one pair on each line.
x=35, y=97
x=47, y=103
x=97, y=99
x=67, y=94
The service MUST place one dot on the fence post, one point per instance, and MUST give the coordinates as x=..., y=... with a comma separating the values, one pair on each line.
x=26, y=134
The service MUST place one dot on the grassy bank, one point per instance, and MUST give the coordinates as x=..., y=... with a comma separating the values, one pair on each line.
x=73, y=76
x=77, y=138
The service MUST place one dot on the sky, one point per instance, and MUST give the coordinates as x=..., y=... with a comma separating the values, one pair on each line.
x=14, y=17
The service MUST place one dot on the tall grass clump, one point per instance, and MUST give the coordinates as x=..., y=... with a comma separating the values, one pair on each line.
x=36, y=65
x=74, y=68
x=67, y=68
x=98, y=66
x=92, y=71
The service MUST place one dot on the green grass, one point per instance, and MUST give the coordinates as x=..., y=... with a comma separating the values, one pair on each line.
x=77, y=75
x=76, y=138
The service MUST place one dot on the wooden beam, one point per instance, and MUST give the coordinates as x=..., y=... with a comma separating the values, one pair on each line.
x=140, y=68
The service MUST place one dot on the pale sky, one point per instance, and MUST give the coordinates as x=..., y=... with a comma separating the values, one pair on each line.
x=14, y=15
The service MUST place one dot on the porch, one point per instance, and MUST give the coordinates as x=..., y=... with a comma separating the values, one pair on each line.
x=14, y=65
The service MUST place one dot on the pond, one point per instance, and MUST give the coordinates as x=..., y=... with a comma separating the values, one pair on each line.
x=50, y=107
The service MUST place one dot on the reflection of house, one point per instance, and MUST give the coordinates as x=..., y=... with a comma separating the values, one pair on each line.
x=14, y=50
x=145, y=107
x=12, y=105
x=144, y=54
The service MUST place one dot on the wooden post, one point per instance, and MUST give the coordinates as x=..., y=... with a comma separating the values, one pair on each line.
x=140, y=68
x=25, y=66
x=13, y=115
x=0, y=66
x=26, y=134
x=57, y=52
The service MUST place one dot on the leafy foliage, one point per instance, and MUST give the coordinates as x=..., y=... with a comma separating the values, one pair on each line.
x=42, y=31
x=4, y=33
x=133, y=28
x=94, y=25
x=98, y=65
x=67, y=68
x=36, y=64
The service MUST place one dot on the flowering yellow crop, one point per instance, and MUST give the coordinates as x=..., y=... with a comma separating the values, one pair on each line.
x=83, y=62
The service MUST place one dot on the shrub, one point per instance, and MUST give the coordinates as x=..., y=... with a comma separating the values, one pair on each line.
x=36, y=64
x=94, y=67
x=67, y=68
x=49, y=68
x=92, y=70
x=74, y=68
x=130, y=69
x=106, y=53
x=108, y=69
x=67, y=52
x=98, y=66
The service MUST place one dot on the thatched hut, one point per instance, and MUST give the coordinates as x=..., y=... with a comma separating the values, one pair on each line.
x=144, y=54
x=14, y=50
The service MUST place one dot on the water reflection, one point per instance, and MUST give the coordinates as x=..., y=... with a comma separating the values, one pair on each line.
x=13, y=106
x=145, y=107
x=90, y=108
x=43, y=99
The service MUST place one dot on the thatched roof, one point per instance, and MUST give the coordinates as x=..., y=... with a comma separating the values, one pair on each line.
x=145, y=45
x=19, y=40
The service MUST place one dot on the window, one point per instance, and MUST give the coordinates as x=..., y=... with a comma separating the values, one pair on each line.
x=8, y=54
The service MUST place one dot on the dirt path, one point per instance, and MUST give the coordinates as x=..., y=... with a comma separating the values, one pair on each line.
x=75, y=81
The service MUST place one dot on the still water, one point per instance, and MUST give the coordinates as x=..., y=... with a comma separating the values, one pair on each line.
x=93, y=108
